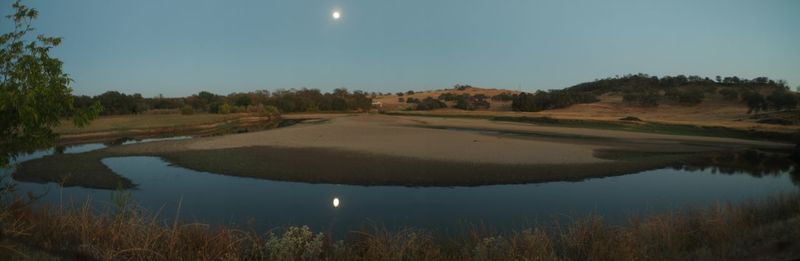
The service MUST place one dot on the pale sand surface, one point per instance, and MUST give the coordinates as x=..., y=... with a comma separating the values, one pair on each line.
x=402, y=136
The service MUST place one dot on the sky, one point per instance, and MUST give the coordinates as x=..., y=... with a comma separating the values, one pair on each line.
x=180, y=47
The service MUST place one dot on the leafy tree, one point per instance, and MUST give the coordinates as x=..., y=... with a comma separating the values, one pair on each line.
x=546, y=100
x=780, y=100
x=430, y=103
x=755, y=102
x=505, y=96
x=34, y=91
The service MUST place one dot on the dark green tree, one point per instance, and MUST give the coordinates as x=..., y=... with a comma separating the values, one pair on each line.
x=755, y=102
x=34, y=91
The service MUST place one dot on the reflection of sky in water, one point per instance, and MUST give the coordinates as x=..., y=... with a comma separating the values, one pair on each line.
x=212, y=198
x=79, y=149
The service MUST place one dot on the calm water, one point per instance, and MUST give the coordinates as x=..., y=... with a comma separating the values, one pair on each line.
x=262, y=204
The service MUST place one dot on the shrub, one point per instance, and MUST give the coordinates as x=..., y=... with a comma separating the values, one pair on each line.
x=430, y=103
x=755, y=102
x=467, y=102
x=187, y=110
x=641, y=99
x=691, y=97
x=225, y=108
x=780, y=100
x=553, y=99
x=297, y=243
x=506, y=96
x=272, y=110
x=449, y=97
x=729, y=94
x=400, y=99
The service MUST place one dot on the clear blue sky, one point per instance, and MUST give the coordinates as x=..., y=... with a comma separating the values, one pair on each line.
x=179, y=47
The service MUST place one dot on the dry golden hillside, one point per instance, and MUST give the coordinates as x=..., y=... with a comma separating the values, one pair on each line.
x=713, y=111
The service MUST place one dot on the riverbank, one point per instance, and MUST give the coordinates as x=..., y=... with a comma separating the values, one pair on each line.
x=788, y=134
x=161, y=125
x=766, y=230
x=405, y=151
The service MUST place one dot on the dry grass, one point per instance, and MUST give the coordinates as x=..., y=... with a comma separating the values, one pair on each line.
x=768, y=229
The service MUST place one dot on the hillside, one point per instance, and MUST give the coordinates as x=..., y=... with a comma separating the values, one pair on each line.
x=716, y=106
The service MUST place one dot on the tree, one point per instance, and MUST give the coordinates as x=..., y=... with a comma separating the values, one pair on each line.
x=780, y=100
x=755, y=102
x=34, y=91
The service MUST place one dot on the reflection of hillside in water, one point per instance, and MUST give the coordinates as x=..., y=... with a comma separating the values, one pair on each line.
x=751, y=162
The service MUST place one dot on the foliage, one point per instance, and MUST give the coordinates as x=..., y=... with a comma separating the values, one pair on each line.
x=690, y=96
x=505, y=96
x=430, y=103
x=34, y=92
x=755, y=102
x=729, y=94
x=546, y=100
x=645, y=99
x=225, y=108
x=717, y=232
x=467, y=102
x=297, y=243
x=187, y=110
x=781, y=100
x=461, y=87
x=303, y=100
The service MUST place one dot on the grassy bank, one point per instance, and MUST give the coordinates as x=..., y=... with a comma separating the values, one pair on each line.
x=768, y=229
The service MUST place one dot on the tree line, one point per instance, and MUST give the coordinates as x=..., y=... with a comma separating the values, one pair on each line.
x=546, y=100
x=759, y=94
x=292, y=100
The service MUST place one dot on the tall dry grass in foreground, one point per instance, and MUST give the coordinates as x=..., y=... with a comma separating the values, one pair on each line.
x=768, y=229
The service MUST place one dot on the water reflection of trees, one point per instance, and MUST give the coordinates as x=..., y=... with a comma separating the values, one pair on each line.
x=752, y=162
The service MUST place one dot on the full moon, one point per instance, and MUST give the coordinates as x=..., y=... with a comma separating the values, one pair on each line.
x=336, y=15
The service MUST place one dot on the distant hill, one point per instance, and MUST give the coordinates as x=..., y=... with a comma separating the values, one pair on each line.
x=636, y=90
